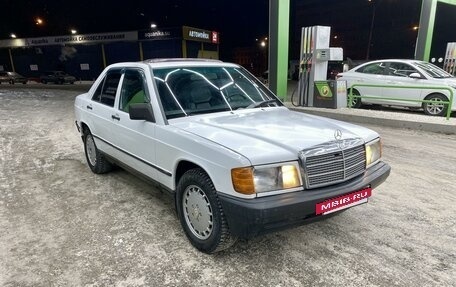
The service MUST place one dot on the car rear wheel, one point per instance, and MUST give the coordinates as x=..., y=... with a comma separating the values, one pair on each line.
x=11, y=82
x=355, y=102
x=95, y=159
x=437, y=108
x=201, y=214
x=44, y=82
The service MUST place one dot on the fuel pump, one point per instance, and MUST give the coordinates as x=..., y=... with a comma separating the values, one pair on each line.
x=305, y=67
x=450, y=58
x=313, y=64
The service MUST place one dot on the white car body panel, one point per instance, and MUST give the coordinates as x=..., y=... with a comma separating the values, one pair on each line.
x=254, y=133
x=352, y=77
x=216, y=142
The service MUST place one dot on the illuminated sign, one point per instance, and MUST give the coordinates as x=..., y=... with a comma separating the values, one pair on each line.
x=158, y=34
x=71, y=39
x=200, y=35
x=215, y=37
x=189, y=33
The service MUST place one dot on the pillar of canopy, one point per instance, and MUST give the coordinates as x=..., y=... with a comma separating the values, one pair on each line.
x=426, y=30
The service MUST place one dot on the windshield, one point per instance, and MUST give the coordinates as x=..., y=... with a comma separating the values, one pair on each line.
x=432, y=70
x=197, y=90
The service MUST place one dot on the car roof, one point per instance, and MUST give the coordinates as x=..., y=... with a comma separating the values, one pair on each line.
x=170, y=60
x=394, y=60
x=176, y=62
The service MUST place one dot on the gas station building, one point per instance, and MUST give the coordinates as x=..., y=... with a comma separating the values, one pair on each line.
x=86, y=55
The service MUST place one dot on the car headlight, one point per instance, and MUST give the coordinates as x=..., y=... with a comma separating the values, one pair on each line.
x=373, y=152
x=251, y=180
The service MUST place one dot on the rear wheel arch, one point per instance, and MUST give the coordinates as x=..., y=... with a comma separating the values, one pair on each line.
x=95, y=159
x=354, y=91
x=84, y=128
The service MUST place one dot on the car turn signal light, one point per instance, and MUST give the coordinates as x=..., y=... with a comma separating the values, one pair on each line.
x=243, y=180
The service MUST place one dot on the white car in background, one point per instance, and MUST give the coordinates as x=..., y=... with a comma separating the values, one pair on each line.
x=398, y=74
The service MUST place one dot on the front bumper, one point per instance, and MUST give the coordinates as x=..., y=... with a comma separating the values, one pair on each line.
x=250, y=217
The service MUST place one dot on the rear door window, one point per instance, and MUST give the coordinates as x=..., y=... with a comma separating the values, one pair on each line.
x=107, y=89
x=374, y=68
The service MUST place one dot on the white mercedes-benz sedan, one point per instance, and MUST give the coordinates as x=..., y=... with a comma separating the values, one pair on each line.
x=237, y=161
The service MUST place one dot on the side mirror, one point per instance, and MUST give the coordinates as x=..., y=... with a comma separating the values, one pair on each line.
x=415, y=76
x=141, y=111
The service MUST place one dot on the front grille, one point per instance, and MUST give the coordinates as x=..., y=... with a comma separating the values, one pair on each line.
x=333, y=162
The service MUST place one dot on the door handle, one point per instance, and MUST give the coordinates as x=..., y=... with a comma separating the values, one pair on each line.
x=89, y=107
x=115, y=117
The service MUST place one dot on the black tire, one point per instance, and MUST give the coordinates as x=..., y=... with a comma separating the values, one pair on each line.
x=95, y=159
x=435, y=109
x=11, y=82
x=44, y=82
x=196, y=187
x=356, y=102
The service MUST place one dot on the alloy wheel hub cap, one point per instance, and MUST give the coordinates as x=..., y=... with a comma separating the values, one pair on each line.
x=197, y=212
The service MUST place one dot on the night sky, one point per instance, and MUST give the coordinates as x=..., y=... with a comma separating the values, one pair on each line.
x=239, y=22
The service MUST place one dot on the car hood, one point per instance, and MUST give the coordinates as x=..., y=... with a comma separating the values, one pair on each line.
x=268, y=135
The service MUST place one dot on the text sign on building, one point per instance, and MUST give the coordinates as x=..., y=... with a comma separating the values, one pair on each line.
x=80, y=39
x=200, y=35
x=158, y=34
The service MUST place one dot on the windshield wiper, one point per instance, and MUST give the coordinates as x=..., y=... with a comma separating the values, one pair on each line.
x=262, y=104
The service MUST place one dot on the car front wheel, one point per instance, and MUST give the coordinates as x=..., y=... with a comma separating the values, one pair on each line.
x=201, y=214
x=95, y=159
x=437, y=108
